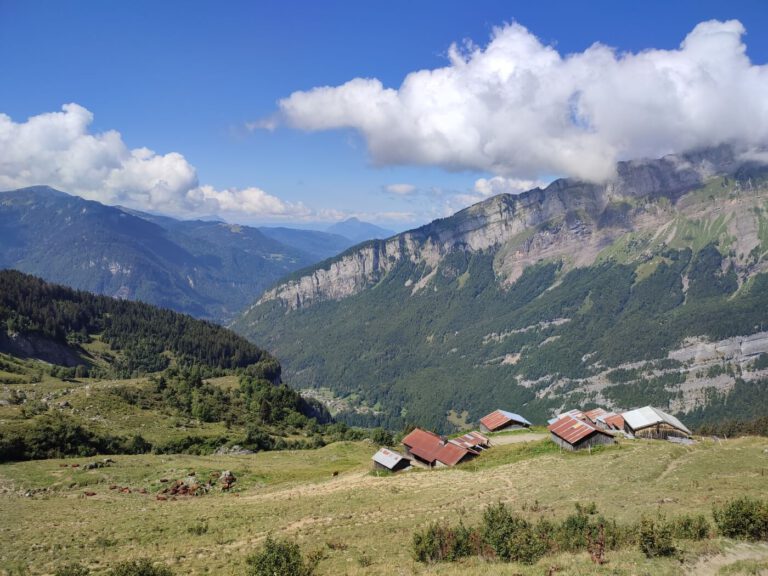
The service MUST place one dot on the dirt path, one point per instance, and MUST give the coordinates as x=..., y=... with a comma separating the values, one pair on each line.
x=516, y=438
x=711, y=565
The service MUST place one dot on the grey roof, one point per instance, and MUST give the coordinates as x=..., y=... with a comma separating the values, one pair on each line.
x=650, y=416
x=388, y=458
x=515, y=417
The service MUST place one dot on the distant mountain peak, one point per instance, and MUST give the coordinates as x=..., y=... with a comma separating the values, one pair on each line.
x=359, y=231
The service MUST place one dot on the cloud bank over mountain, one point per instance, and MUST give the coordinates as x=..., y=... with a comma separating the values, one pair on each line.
x=58, y=149
x=518, y=108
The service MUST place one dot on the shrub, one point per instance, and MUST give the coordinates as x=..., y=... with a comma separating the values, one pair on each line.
x=142, y=567
x=382, y=437
x=572, y=535
x=278, y=557
x=499, y=526
x=655, y=538
x=72, y=570
x=745, y=518
x=438, y=543
x=691, y=527
x=526, y=545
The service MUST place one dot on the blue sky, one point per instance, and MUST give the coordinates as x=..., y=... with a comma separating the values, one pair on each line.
x=191, y=81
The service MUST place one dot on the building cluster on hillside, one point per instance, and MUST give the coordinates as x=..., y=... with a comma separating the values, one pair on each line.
x=434, y=451
x=575, y=430
x=571, y=430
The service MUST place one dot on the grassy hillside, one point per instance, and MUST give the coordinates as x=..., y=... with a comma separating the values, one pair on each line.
x=83, y=374
x=356, y=523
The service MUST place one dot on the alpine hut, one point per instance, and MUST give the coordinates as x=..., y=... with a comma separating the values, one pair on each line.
x=574, y=434
x=386, y=459
x=432, y=450
x=499, y=420
x=472, y=441
x=650, y=422
x=610, y=421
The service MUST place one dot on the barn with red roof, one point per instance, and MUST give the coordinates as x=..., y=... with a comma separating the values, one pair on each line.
x=575, y=434
x=499, y=420
x=432, y=450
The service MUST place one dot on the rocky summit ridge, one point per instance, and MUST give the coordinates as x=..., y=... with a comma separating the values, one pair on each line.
x=569, y=218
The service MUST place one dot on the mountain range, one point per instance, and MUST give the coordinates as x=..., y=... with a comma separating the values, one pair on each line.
x=358, y=231
x=648, y=288
x=208, y=269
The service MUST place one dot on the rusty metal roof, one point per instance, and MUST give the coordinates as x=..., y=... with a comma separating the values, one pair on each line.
x=573, y=430
x=499, y=418
x=430, y=447
x=613, y=420
x=595, y=413
x=424, y=444
x=575, y=413
x=451, y=454
x=470, y=440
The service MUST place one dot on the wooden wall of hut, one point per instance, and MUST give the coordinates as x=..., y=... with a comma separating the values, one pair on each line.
x=659, y=432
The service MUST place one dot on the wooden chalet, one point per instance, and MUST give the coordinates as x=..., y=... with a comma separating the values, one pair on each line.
x=650, y=422
x=604, y=419
x=499, y=420
x=386, y=459
x=610, y=421
x=433, y=451
x=574, y=434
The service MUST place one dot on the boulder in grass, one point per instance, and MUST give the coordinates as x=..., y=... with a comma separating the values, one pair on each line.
x=227, y=479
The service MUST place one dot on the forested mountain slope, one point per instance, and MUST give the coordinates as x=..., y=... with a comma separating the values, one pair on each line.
x=208, y=269
x=81, y=374
x=615, y=294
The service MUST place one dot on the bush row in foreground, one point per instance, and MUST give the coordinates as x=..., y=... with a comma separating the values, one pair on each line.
x=508, y=536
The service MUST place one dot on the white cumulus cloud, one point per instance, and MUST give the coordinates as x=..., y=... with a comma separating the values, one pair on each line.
x=58, y=149
x=400, y=189
x=519, y=108
x=485, y=187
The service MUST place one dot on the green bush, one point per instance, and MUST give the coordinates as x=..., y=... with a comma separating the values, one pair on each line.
x=439, y=542
x=278, y=557
x=745, y=518
x=513, y=538
x=72, y=570
x=498, y=527
x=691, y=527
x=56, y=435
x=142, y=567
x=526, y=545
x=573, y=532
x=655, y=538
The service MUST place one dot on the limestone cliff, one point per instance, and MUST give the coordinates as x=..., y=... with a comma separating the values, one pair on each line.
x=569, y=220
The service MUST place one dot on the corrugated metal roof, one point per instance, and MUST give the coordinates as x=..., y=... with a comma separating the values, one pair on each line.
x=575, y=413
x=451, y=454
x=470, y=440
x=499, y=418
x=595, y=413
x=388, y=458
x=573, y=430
x=423, y=444
x=613, y=420
x=650, y=416
x=430, y=447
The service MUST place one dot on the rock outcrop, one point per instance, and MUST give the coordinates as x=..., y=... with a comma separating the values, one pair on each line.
x=568, y=218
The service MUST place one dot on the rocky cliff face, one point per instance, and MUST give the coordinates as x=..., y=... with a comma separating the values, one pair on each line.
x=569, y=219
